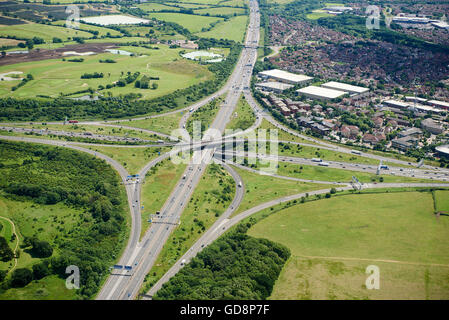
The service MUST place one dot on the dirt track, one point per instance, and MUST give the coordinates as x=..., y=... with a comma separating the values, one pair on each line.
x=43, y=54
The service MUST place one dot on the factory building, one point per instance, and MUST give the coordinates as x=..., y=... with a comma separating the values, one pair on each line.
x=321, y=93
x=354, y=91
x=285, y=77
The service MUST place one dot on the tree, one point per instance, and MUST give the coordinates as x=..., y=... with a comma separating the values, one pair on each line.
x=6, y=253
x=40, y=270
x=154, y=86
x=21, y=277
x=41, y=249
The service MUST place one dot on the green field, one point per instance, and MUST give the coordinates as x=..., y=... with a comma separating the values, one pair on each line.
x=163, y=124
x=442, y=201
x=51, y=77
x=317, y=14
x=205, y=115
x=102, y=31
x=43, y=31
x=243, y=116
x=333, y=240
x=209, y=200
x=191, y=22
x=233, y=29
x=133, y=159
x=262, y=188
x=157, y=186
x=221, y=11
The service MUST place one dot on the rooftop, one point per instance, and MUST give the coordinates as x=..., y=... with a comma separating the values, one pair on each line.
x=344, y=87
x=443, y=149
x=281, y=74
x=322, y=92
x=274, y=85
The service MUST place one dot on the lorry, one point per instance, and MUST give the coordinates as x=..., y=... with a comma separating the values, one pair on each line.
x=317, y=160
x=356, y=152
x=324, y=164
x=73, y=121
x=384, y=167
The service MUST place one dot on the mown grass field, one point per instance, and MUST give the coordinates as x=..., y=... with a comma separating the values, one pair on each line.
x=51, y=77
x=333, y=240
x=221, y=11
x=209, y=200
x=158, y=185
x=46, y=32
x=442, y=200
x=102, y=31
x=193, y=23
x=262, y=188
x=243, y=116
x=163, y=124
x=132, y=159
x=233, y=29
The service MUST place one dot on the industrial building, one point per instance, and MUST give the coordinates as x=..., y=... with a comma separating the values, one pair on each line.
x=396, y=104
x=273, y=86
x=443, y=151
x=285, y=77
x=439, y=104
x=321, y=93
x=432, y=126
x=353, y=90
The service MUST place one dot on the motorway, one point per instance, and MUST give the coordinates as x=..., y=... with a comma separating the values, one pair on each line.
x=126, y=285
x=141, y=254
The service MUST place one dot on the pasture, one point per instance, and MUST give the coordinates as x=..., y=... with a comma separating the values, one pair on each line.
x=333, y=240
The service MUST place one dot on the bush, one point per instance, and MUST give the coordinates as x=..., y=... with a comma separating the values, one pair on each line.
x=6, y=253
x=40, y=270
x=21, y=277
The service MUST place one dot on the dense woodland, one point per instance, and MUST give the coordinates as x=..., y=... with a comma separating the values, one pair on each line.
x=49, y=175
x=236, y=266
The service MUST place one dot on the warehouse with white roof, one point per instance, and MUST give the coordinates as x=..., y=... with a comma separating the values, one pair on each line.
x=321, y=93
x=286, y=77
x=353, y=90
x=273, y=86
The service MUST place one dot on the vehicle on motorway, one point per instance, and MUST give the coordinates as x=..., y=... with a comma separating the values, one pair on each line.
x=183, y=261
x=191, y=109
x=184, y=177
x=317, y=160
x=73, y=121
x=356, y=152
x=324, y=164
x=384, y=167
x=240, y=184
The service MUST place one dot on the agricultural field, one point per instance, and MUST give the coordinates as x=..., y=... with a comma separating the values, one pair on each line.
x=53, y=77
x=220, y=11
x=209, y=200
x=233, y=29
x=442, y=201
x=46, y=32
x=84, y=26
x=193, y=23
x=331, y=247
